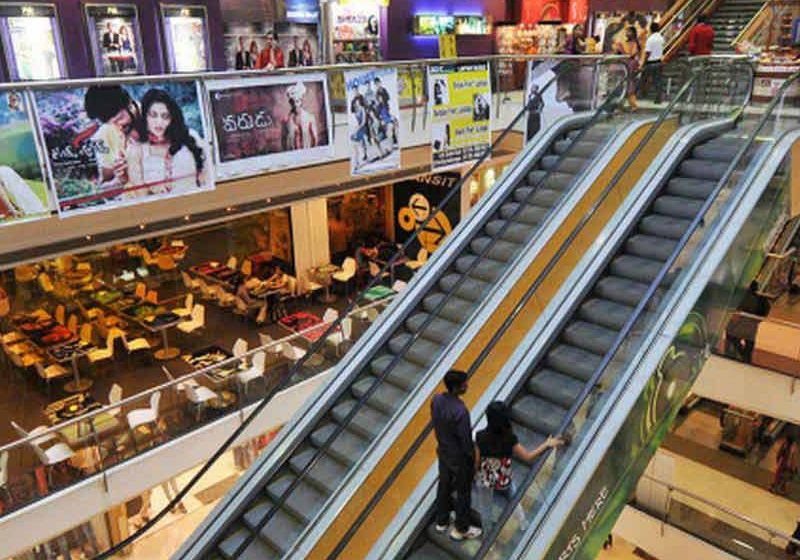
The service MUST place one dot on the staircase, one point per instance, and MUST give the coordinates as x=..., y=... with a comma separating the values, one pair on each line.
x=728, y=20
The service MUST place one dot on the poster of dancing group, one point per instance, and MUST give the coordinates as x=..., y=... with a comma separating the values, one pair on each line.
x=461, y=127
x=115, y=145
x=263, y=123
x=23, y=192
x=373, y=120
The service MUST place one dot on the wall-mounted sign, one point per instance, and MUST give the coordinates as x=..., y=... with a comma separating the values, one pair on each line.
x=186, y=35
x=114, y=145
x=31, y=41
x=434, y=25
x=472, y=25
x=115, y=39
x=416, y=199
x=302, y=11
x=262, y=123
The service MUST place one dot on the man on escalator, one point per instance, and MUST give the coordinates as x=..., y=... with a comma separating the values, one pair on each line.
x=456, y=453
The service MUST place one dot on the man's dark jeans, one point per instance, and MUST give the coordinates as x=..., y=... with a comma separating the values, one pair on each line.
x=455, y=476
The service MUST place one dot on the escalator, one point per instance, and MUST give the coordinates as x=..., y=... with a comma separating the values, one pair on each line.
x=610, y=368
x=441, y=311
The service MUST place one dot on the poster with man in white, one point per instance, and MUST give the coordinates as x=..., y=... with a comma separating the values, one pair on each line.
x=373, y=119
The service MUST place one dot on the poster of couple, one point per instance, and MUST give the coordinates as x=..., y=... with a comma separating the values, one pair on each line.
x=263, y=123
x=116, y=145
x=373, y=120
x=115, y=43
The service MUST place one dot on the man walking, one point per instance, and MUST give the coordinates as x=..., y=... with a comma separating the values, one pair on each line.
x=456, y=453
x=653, y=52
x=701, y=37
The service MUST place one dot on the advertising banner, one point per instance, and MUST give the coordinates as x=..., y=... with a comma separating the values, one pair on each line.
x=23, y=192
x=545, y=105
x=117, y=145
x=299, y=43
x=414, y=200
x=461, y=126
x=373, y=120
x=186, y=38
x=262, y=123
x=115, y=40
x=31, y=41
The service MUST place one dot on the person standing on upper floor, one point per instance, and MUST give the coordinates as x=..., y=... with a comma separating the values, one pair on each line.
x=631, y=48
x=701, y=37
x=456, y=454
x=653, y=53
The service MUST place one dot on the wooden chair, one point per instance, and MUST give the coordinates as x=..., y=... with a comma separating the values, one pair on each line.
x=72, y=324
x=247, y=268
x=60, y=314
x=232, y=262
x=141, y=290
x=151, y=297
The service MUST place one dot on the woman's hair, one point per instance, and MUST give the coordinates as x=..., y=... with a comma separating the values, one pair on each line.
x=253, y=45
x=177, y=133
x=498, y=418
x=631, y=33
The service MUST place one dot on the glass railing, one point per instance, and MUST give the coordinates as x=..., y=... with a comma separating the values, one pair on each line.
x=89, y=443
x=727, y=529
x=541, y=482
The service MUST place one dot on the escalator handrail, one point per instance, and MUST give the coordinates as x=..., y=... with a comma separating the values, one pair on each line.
x=512, y=316
x=318, y=344
x=614, y=98
x=639, y=310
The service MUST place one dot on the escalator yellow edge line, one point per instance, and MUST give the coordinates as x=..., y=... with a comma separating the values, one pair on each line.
x=408, y=479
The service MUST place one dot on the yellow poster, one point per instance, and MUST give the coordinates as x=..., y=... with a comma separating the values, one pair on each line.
x=411, y=86
x=447, y=46
x=461, y=127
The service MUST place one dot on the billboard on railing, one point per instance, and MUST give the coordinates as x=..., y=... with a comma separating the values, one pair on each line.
x=545, y=105
x=117, y=145
x=460, y=101
x=264, y=123
x=373, y=120
x=23, y=191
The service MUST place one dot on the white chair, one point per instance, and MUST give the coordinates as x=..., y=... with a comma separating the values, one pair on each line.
x=115, y=396
x=4, y=477
x=53, y=455
x=293, y=353
x=23, y=433
x=270, y=346
x=232, y=262
x=254, y=372
x=199, y=396
x=196, y=322
x=347, y=273
x=399, y=286
x=142, y=416
x=330, y=315
x=188, y=304
x=239, y=350
x=135, y=345
x=368, y=314
x=103, y=354
x=224, y=299
x=344, y=333
x=206, y=293
x=190, y=283
x=422, y=258
x=53, y=371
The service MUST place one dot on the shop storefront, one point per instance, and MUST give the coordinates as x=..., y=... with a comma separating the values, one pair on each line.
x=356, y=31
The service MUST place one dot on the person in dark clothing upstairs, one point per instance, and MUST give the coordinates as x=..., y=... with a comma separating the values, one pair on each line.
x=456, y=454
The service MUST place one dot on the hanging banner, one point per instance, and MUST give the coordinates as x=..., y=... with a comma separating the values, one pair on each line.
x=263, y=123
x=117, y=145
x=373, y=120
x=23, y=192
x=447, y=45
x=461, y=126
x=545, y=105
x=414, y=200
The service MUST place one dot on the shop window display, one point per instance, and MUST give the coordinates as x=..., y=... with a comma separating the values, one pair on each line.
x=31, y=41
x=355, y=217
x=356, y=32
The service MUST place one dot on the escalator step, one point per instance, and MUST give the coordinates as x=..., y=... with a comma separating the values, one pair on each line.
x=650, y=247
x=635, y=268
x=528, y=214
x=403, y=373
x=664, y=226
x=259, y=550
x=555, y=181
x=588, y=336
x=421, y=352
x=717, y=151
x=573, y=361
x=326, y=473
x=346, y=448
x=470, y=289
x=582, y=149
x=621, y=290
x=538, y=414
x=454, y=309
x=605, y=312
x=232, y=542
x=557, y=387
x=479, y=268
x=437, y=329
x=677, y=206
x=304, y=500
x=703, y=169
x=597, y=133
x=280, y=531
x=568, y=164
x=367, y=422
x=514, y=232
x=501, y=250
x=430, y=551
x=386, y=397
x=463, y=550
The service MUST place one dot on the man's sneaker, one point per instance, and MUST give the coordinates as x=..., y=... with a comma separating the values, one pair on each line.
x=471, y=533
x=441, y=528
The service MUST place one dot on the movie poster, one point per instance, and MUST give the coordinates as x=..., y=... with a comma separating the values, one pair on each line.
x=115, y=43
x=414, y=201
x=118, y=145
x=373, y=120
x=243, y=44
x=23, y=191
x=298, y=41
x=31, y=42
x=263, y=123
x=545, y=103
x=187, y=38
x=461, y=126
